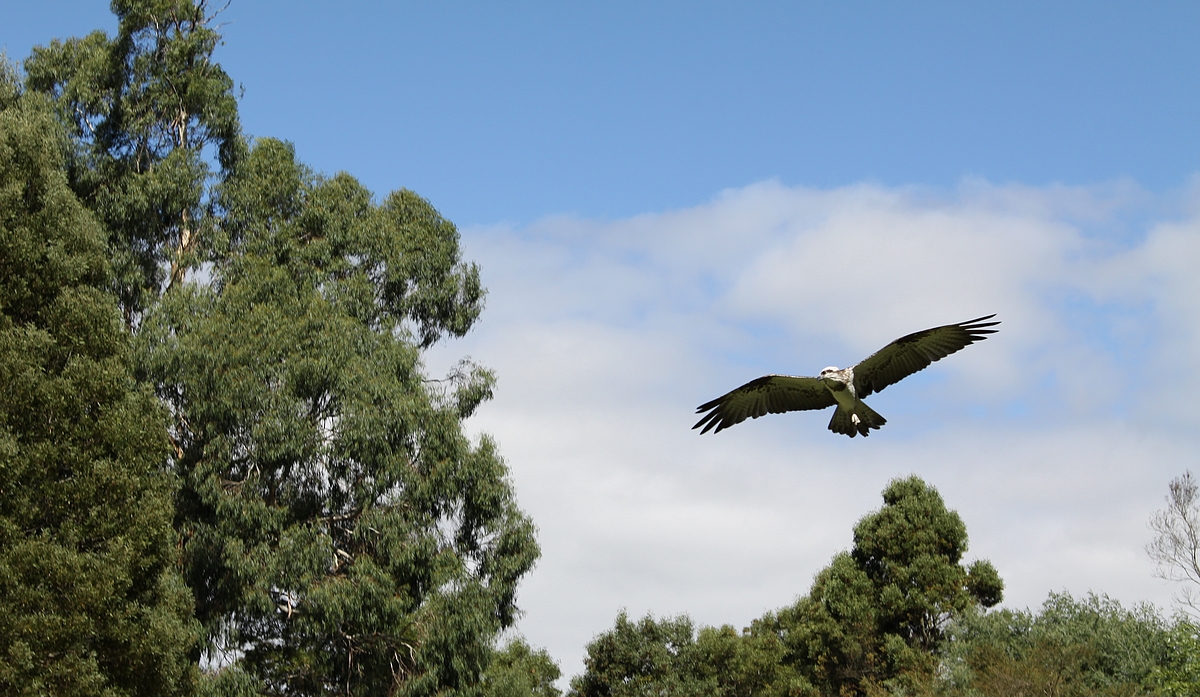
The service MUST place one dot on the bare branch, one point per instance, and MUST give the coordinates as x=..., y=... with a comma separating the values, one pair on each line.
x=1176, y=546
x=211, y=17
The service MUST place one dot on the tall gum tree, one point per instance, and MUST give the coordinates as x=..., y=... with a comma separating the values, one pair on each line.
x=340, y=531
x=877, y=615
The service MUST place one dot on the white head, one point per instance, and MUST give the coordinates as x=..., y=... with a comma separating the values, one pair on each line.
x=829, y=372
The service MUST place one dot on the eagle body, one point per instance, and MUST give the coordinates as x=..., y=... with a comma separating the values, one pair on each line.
x=844, y=388
x=852, y=415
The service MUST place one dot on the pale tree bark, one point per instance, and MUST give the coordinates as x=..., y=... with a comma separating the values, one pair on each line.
x=186, y=239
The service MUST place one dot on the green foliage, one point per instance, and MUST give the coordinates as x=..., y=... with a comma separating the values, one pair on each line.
x=644, y=658
x=147, y=111
x=877, y=615
x=340, y=531
x=1179, y=674
x=910, y=550
x=747, y=664
x=90, y=603
x=519, y=671
x=1091, y=646
x=667, y=657
x=872, y=623
x=10, y=83
x=900, y=615
x=229, y=681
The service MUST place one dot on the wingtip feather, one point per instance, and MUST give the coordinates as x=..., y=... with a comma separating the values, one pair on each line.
x=978, y=324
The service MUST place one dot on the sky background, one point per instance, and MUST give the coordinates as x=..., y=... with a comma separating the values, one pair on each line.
x=669, y=199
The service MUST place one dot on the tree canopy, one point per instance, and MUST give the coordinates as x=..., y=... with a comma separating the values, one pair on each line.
x=151, y=115
x=316, y=492
x=1088, y=646
x=90, y=600
x=875, y=619
x=340, y=531
x=878, y=613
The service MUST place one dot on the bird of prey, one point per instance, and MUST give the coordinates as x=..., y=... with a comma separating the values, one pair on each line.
x=775, y=394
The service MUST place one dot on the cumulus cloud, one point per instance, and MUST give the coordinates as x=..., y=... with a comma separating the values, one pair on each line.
x=1054, y=439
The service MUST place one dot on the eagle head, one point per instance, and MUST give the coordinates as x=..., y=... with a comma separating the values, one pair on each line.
x=836, y=380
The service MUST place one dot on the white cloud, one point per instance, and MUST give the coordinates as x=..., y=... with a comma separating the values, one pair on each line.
x=1051, y=438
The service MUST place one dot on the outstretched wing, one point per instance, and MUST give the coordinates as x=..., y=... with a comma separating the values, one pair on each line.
x=770, y=394
x=914, y=352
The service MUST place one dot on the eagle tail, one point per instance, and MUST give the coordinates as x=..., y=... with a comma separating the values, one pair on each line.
x=859, y=421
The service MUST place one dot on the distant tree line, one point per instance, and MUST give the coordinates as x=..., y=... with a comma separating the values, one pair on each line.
x=225, y=471
x=900, y=615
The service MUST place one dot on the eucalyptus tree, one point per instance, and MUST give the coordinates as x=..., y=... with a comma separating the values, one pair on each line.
x=1086, y=646
x=338, y=529
x=669, y=657
x=518, y=670
x=877, y=615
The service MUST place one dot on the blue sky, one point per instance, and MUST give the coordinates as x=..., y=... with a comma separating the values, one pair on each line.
x=511, y=111
x=669, y=199
x=613, y=109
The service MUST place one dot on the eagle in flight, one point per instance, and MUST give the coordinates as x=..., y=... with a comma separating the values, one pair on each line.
x=775, y=394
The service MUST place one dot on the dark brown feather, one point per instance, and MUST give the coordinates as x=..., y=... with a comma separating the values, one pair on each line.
x=914, y=352
x=770, y=394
